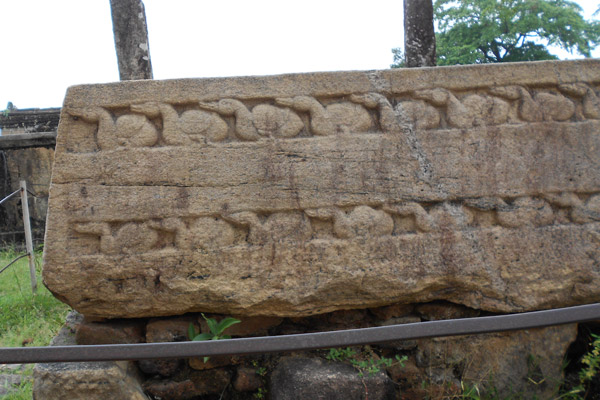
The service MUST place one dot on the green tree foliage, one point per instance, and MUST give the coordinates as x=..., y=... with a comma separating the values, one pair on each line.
x=399, y=61
x=484, y=31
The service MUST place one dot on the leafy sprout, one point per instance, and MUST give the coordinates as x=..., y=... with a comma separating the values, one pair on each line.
x=215, y=328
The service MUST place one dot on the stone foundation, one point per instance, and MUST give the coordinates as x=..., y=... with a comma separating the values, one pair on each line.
x=527, y=363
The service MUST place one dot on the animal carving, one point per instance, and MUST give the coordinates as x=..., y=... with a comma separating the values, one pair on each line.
x=129, y=238
x=543, y=106
x=263, y=121
x=589, y=211
x=191, y=126
x=487, y=110
x=451, y=216
x=129, y=130
x=276, y=227
x=423, y=221
x=591, y=103
x=388, y=118
x=473, y=109
x=362, y=221
x=524, y=211
x=457, y=114
x=334, y=118
x=419, y=114
x=203, y=233
x=581, y=211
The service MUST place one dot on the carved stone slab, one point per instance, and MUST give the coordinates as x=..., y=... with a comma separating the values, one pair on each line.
x=302, y=194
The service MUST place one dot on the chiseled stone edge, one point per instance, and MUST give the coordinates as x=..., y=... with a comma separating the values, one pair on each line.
x=401, y=80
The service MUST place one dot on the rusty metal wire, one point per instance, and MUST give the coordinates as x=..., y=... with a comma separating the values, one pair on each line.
x=307, y=341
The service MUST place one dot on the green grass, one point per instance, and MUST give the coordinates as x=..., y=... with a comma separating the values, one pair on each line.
x=26, y=319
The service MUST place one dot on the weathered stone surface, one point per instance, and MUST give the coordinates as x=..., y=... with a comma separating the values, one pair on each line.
x=525, y=363
x=198, y=363
x=168, y=330
x=438, y=310
x=110, y=332
x=162, y=367
x=189, y=386
x=85, y=380
x=302, y=194
x=393, y=311
x=247, y=380
x=311, y=378
x=165, y=330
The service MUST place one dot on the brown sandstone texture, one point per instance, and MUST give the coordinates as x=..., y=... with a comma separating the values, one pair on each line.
x=85, y=380
x=295, y=195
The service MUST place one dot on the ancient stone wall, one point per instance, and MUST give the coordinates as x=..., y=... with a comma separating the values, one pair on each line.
x=303, y=198
x=29, y=160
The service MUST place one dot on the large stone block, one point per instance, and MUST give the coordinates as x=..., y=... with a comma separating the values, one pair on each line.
x=85, y=380
x=526, y=364
x=313, y=378
x=302, y=194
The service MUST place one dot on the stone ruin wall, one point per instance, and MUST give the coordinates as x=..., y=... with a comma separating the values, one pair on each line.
x=328, y=201
x=32, y=163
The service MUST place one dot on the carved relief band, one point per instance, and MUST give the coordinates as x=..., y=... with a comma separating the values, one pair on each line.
x=302, y=194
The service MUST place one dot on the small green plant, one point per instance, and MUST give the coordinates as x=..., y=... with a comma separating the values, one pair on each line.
x=260, y=394
x=215, y=328
x=591, y=361
x=364, y=362
x=470, y=392
x=339, y=354
x=590, y=370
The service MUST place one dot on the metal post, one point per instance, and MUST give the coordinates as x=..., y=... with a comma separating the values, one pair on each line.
x=28, y=237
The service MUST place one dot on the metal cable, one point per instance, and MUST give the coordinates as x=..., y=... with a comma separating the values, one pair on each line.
x=13, y=261
x=10, y=195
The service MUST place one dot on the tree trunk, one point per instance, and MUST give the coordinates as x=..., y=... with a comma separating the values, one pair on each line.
x=131, y=39
x=419, y=36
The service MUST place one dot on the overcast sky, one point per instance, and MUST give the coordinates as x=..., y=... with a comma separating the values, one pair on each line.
x=46, y=46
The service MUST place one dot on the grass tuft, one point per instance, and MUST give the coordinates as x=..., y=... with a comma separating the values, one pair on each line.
x=26, y=319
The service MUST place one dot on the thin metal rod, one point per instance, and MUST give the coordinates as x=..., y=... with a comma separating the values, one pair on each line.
x=306, y=341
x=10, y=195
x=12, y=262
x=28, y=236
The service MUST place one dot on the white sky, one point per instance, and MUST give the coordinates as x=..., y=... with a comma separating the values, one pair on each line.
x=48, y=45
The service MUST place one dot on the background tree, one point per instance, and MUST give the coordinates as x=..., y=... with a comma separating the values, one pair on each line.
x=399, y=61
x=483, y=31
x=419, y=36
